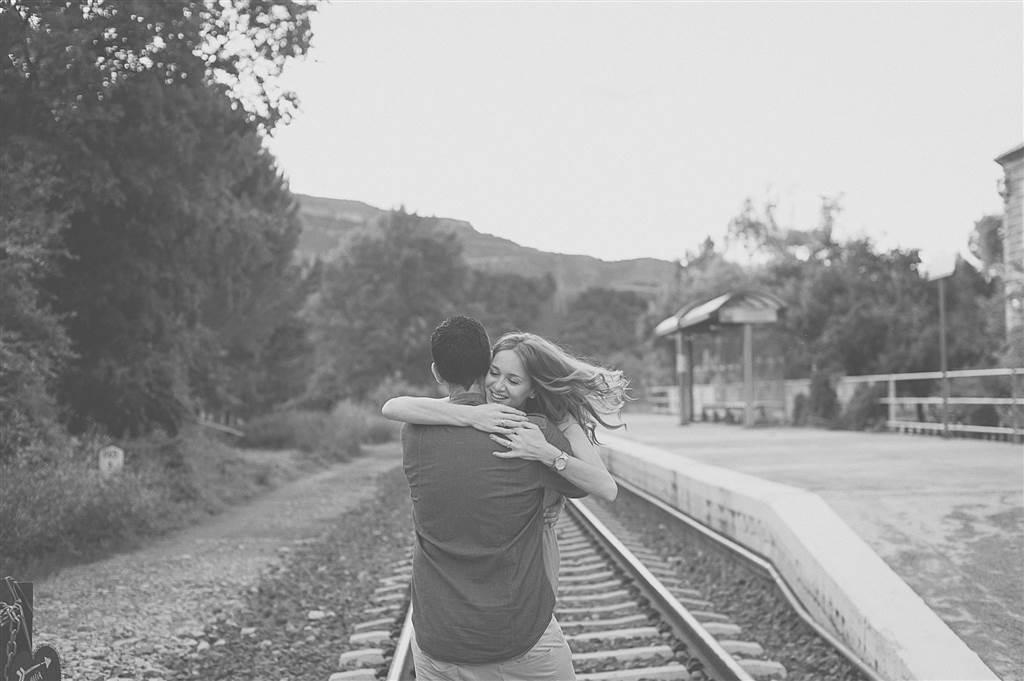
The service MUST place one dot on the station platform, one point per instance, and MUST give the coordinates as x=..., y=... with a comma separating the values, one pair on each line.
x=946, y=515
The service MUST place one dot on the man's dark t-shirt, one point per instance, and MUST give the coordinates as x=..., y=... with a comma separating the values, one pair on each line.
x=479, y=590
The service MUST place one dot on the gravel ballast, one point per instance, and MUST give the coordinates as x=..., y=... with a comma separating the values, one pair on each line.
x=263, y=591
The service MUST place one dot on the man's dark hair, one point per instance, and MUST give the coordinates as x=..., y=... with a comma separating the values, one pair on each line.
x=461, y=350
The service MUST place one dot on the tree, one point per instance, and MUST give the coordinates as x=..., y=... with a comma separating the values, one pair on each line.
x=162, y=195
x=504, y=301
x=600, y=322
x=33, y=345
x=379, y=303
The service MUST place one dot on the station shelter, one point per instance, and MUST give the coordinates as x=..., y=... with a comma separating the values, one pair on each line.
x=729, y=360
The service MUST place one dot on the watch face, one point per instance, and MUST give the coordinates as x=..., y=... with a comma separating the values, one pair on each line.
x=560, y=462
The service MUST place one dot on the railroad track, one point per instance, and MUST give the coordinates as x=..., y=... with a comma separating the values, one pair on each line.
x=626, y=611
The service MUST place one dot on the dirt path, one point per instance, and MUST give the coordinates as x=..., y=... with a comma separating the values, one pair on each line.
x=115, y=618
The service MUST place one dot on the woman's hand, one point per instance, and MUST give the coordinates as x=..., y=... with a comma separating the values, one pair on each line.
x=495, y=418
x=526, y=442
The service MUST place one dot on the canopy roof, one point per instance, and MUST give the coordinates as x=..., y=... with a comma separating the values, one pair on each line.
x=734, y=307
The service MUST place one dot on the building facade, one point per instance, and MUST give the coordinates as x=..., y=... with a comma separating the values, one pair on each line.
x=1012, y=191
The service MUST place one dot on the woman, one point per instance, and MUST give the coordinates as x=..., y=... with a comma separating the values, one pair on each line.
x=531, y=374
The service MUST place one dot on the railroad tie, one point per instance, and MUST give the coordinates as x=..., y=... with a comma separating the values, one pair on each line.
x=612, y=607
x=640, y=652
x=608, y=595
x=611, y=634
x=763, y=669
x=585, y=577
x=610, y=622
x=670, y=672
x=594, y=586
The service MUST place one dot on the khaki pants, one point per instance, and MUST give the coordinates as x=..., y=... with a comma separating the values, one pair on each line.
x=548, y=660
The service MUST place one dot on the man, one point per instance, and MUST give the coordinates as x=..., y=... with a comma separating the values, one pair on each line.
x=482, y=604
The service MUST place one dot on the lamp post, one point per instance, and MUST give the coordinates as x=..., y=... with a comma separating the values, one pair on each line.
x=939, y=266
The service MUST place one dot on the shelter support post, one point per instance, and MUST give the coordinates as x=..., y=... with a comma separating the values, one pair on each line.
x=748, y=374
x=942, y=357
x=683, y=376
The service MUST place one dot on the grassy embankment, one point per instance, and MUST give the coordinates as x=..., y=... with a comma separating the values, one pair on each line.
x=62, y=511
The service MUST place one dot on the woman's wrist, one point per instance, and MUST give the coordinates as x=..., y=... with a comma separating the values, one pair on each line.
x=551, y=455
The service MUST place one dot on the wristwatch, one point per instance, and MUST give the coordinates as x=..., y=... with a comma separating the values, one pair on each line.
x=560, y=462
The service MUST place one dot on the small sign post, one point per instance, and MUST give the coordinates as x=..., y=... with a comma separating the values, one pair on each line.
x=111, y=460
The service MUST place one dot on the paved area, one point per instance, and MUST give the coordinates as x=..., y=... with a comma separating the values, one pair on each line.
x=946, y=515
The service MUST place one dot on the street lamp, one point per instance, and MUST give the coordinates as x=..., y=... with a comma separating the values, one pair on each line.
x=939, y=266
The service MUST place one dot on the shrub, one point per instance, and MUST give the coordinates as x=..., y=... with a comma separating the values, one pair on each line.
x=800, y=410
x=822, y=402
x=393, y=386
x=297, y=429
x=344, y=429
x=60, y=510
x=864, y=411
x=334, y=436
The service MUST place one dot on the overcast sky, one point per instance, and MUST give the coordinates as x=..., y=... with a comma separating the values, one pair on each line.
x=623, y=130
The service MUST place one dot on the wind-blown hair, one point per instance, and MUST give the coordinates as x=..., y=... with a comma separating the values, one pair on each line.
x=565, y=385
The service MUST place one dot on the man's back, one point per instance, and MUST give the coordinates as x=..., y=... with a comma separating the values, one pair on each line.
x=480, y=592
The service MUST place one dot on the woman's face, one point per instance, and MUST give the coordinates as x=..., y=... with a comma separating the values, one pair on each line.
x=507, y=381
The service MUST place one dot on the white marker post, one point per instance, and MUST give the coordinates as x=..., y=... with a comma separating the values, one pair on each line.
x=111, y=461
x=939, y=266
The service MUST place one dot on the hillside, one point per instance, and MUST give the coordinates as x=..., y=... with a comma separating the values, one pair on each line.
x=329, y=223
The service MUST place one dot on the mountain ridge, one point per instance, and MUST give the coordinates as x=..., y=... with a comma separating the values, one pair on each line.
x=328, y=223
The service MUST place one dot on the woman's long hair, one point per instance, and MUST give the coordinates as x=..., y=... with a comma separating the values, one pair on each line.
x=565, y=385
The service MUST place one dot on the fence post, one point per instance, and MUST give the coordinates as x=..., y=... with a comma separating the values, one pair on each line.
x=892, y=402
x=1014, y=421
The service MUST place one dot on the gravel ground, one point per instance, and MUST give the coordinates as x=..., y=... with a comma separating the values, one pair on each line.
x=263, y=591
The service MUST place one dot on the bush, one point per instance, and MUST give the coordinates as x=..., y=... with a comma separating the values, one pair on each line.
x=822, y=402
x=62, y=510
x=393, y=386
x=800, y=410
x=335, y=436
x=864, y=411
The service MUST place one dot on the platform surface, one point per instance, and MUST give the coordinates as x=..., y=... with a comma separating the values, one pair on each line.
x=946, y=515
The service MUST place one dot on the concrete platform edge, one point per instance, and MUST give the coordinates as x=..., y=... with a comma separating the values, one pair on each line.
x=839, y=578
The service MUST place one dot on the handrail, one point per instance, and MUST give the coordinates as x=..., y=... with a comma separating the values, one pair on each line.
x=924, y=375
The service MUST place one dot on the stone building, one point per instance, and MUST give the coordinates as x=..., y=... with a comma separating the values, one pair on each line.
x=1012, y=191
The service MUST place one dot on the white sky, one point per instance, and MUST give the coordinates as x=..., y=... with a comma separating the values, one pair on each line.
x=623, y=130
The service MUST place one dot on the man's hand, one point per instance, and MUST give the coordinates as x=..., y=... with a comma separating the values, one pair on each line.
x=552, y=512
x=496, y=418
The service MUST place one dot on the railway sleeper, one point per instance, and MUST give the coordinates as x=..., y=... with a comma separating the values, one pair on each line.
x=610, y=622
x=612, y=634
x=640, y=652
x=669, y=672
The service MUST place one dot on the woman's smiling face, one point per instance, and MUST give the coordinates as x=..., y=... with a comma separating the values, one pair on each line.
x=507, y=381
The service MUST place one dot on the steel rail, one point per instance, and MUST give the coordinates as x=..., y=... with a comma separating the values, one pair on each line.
x=718, y=663
x=401, y=667
x=765, y=565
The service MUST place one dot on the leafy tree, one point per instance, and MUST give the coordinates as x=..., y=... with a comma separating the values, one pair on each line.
x=378, y=305
x=163, y=197
x=504, y=301
x=600, y=322
x=33, y=344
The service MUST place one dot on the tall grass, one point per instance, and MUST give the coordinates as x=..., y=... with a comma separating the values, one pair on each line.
x=61, y=510
x=335, y=436
x=56, y=508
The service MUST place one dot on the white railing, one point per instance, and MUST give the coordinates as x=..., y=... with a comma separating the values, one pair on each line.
x=665, y=399
x=946, y=424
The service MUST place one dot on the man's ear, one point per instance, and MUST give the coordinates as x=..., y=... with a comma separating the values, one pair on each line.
x=437, y=376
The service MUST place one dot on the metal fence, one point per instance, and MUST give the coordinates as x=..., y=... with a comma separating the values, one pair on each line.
x=946, y=409
x=922, y=402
